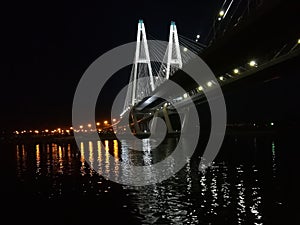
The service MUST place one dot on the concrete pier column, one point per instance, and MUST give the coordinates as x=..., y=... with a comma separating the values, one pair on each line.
x=167, y=120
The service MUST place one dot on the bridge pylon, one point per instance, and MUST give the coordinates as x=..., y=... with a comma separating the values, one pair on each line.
x=173, y=54
x=141, y=57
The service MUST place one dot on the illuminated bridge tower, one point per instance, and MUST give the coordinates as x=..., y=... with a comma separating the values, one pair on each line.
x=173, y=54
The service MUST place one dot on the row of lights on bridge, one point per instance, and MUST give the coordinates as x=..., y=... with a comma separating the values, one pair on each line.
x=236, y=71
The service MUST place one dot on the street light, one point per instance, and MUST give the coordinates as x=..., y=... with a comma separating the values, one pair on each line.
x=89, y=125
x=252, y=63
x=200, y=88
x=198, y=36
x=105, y=122
x=114, y=120
x=80, y=126
x=98, y=124
x=185, y=49
x=299, y=41
x=236, y=71
x=221, y=78
x=209, y=83
x=221, y=13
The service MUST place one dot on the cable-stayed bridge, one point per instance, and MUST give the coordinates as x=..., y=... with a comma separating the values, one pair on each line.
x=242, y=47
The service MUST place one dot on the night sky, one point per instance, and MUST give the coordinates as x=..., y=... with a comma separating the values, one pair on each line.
x=47, y=48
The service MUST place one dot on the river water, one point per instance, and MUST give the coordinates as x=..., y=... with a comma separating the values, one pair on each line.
x=252, y=181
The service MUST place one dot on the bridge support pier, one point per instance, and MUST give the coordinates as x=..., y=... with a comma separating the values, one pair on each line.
x=135, y=123
x=153, y=122
x=167, y=120
x=185, y=120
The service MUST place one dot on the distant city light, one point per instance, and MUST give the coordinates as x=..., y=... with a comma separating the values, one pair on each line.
x=46, y=130
x=89, y=125
x=36, y=131
x=185, y=49
x=114, y=120
x=198, y=36
x=98, y=124
x=221, y=13
x=272, y=124
x=80, y=126
x=252, y=63
x=209, y=83
x=105, y=122
x=219, y=18
x=236, y=71
x=221, y=78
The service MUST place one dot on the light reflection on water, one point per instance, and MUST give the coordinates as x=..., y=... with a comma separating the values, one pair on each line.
x=226, y=192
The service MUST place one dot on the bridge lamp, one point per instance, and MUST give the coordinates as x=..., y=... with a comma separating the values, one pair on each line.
x=185, y=49
x=236, y=71
x=198, y=36
x=185, y=95
x=299, y=41
x=200, y=88
x=221, y=78
x=221, y=13
x=219, y=18
x=209, y=83
x=252, y=63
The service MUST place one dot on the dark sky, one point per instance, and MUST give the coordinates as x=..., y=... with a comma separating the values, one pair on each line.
x=47, y=47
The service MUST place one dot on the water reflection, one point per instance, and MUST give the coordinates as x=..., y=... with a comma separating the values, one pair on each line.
x=227, y=192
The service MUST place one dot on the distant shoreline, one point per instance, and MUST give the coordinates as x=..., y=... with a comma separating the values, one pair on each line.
x=230, y=131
